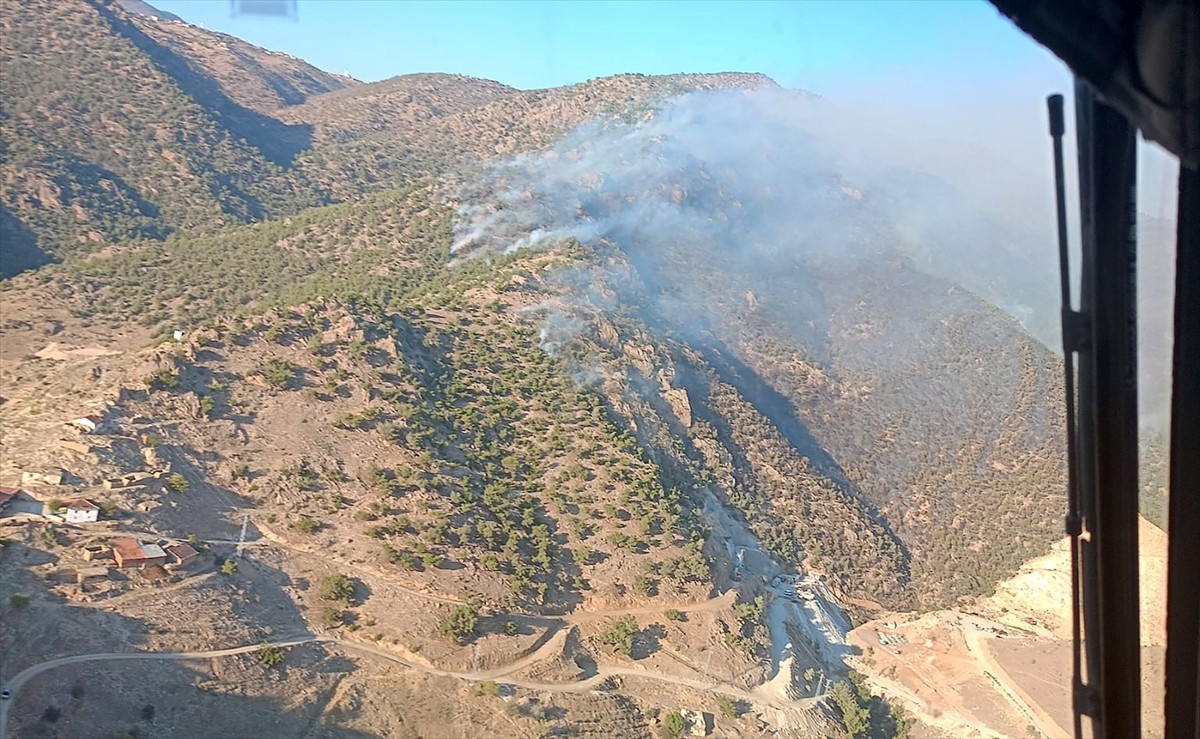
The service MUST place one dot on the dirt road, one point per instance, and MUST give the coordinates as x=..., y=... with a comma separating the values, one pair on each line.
x=1026, y=706
x=499, y=674
x=14, y=685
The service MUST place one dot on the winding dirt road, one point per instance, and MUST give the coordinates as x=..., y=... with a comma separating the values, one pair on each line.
x=499, y=674
x=14, y=685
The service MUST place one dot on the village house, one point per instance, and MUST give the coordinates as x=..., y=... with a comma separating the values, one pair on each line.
x=80, y=510
x=132, y=553
x=181, y=555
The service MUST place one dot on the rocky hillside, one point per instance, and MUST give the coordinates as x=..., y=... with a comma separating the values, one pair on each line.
x=553, y=367
x=253, y=78
x=520, y=121
x=122, y=125
x=831, y=459
x=109, y=136
x=398, y=102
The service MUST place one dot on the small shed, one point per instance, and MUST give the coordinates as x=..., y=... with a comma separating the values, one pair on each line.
x=181, y=555
x=81, y=510
x=75, y=446
x=697, y=723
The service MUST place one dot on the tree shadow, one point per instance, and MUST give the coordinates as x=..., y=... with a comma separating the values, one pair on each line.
x=209, y=355
x=19, y=250
x=208, y=509
x=647, y=641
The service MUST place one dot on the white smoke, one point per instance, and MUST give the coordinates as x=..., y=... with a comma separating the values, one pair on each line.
x=766, y=182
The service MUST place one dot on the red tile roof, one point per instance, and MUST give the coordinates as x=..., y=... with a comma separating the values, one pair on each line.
x=131, y=550
x=127, y=548
x=80, y=504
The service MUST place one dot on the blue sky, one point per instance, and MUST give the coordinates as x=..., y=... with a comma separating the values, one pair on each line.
x=828, y=47
x=952, y=68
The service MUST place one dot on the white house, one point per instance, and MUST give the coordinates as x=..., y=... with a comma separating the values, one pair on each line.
x=80, y=510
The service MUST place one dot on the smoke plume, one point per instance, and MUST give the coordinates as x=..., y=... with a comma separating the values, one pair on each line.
x=767, y=188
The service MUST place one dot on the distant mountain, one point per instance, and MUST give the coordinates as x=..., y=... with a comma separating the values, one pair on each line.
x=109, y=136
x=251, y=77
x=370, y=158
x=392, y=103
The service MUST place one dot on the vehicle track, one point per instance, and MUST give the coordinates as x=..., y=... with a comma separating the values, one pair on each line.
x=499, y=675
x=1006, y=687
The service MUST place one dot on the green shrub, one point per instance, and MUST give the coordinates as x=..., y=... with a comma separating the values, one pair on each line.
x=644, y=585
x=403, y=560
x=621, y=635
x=727, y=707
x=459, y=625
x=337, y=587
x=855, y=716
x=163, y=379
x=672, y=726
x=270, y=656
x=307, y=524
x=278, y=374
